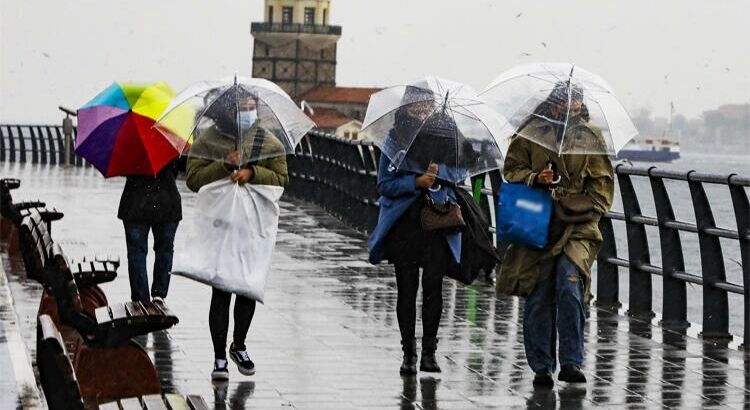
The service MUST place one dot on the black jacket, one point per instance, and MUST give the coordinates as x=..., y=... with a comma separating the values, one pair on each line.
x=477, y=251
x=152, y=200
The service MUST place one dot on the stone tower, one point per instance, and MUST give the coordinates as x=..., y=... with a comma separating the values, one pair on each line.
x=295, y=47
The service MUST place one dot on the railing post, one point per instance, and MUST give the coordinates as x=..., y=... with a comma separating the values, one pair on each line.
x=607, y=274
x=640, y=293
x=2, y=144
x=21, y=146
x=67, y=125
x=674, y=300
x=715, y=303
x=742, y=214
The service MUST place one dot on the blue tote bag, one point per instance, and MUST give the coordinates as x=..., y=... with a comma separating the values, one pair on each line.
x=523, y=215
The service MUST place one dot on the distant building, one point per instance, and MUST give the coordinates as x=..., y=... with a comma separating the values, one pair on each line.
x=295, y=47
x=332, y=121
x=728, y=125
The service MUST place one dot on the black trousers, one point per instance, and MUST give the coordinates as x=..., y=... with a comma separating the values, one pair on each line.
x=218, y=320
x=409, y=247
x=407, y=282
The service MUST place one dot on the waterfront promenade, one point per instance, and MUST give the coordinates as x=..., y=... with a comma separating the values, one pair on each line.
x=327, y=336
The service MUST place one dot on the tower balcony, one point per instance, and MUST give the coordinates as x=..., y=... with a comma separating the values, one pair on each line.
x=294, y=28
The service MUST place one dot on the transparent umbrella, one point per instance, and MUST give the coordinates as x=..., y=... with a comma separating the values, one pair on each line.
x=562, y=107
x=435, y=120
x=250, y=115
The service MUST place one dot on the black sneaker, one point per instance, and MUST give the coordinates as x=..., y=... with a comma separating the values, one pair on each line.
x=572, y=374
x=242, y=360
x=543, y=378
x=220, y=372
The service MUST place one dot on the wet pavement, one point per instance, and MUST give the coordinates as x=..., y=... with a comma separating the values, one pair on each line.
x=327, y=336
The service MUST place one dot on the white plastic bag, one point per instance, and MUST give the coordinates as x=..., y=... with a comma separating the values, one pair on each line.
x=233, y=237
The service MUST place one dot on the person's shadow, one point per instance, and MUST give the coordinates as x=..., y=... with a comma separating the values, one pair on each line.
x=240, y=394
x=427, y=389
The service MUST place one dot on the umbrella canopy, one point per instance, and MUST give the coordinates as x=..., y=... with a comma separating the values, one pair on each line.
x=435, y=120
x=578, y=106
x=251, y=115
x=115, y=134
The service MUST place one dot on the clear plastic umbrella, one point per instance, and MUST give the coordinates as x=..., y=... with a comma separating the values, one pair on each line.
x=435, y=120
x=562, y=107
x=250, y=115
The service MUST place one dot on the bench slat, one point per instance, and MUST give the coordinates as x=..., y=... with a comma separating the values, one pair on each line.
x=103, y=315
x=154, y=402
x=118, y=311
x=131, y=403
x=176, y=402
x=151, y=309
x=133, y=309
x=110, y=406
x=196, y=402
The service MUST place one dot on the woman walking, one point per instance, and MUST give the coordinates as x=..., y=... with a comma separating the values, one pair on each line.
x=221, y=140
x=556, y=279
x=150, y=204
x=399, y=236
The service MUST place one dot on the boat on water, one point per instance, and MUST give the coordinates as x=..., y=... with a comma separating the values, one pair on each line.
x=649, y=149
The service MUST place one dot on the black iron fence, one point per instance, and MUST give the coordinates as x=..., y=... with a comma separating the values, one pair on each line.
x=340, y=175
x=36, y=144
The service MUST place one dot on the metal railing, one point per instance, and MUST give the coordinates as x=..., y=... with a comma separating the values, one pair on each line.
x=712, y=274
x=36, y=144
x=294, y=28
x=341, y=176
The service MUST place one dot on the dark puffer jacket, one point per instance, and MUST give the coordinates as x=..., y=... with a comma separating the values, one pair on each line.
x=152, y=200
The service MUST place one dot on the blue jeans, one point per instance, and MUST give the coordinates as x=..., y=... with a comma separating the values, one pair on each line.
x=555, y=307
x=136, y=239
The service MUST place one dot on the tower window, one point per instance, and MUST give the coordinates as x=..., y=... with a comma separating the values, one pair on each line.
x=270, y=14
x=286, y=15
x=309, y=16
x=325, y=16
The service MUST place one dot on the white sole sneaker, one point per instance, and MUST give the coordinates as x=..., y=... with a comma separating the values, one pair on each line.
x=244, y=371
x=220, y=375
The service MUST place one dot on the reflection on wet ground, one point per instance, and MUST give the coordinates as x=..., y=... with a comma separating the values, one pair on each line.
x=327, y=336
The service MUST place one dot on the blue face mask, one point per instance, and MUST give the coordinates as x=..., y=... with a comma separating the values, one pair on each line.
x=247, y=119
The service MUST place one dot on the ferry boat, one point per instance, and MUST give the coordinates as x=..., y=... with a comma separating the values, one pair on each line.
x=650, y=149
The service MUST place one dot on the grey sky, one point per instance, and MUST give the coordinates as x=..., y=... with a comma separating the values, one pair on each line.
x=694, y=53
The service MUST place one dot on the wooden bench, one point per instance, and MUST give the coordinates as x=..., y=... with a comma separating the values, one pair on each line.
x=11, y=214
x=64, y=386
x=37, y=248
x=100, y=324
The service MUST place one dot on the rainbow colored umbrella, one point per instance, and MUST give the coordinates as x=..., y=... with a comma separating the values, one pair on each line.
x=115, y=131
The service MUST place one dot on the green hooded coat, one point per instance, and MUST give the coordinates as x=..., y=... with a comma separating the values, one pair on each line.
x=592, y=175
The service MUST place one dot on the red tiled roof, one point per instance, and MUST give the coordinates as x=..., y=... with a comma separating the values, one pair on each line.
x=325, y=93
x=329, y=118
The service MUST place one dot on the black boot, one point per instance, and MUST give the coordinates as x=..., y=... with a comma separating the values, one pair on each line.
x=409, y=365
x=428, y=362
x=572, y=374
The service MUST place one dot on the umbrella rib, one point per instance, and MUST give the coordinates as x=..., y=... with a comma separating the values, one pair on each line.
x=286, y=133
x=490, y=134
x=203, y=111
